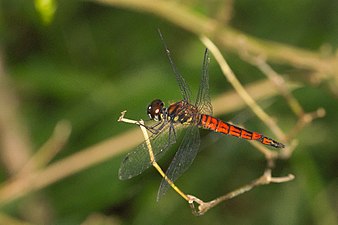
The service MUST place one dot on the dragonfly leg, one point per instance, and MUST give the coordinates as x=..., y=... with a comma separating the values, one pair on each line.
x=156, y=128
x=172, y=136
x=155, y=125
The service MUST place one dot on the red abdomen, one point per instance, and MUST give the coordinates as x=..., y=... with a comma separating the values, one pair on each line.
x=217, y=125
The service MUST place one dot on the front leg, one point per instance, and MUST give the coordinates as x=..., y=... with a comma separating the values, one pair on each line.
x=156, y=128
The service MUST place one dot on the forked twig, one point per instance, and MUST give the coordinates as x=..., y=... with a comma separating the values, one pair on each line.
x=265, y=179
x=276, y=79
x=305, y=119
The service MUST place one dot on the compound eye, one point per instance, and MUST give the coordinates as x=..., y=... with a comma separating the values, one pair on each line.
x=155, y=110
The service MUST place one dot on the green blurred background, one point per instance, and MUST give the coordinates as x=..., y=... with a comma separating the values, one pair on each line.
x=86, y=62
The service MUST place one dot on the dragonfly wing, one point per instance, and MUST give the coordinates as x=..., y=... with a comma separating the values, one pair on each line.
x=184, y=88
x=203, y=101
x=182, y=159
x=139, y=160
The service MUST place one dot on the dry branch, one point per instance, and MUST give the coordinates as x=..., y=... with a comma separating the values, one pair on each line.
x=229, y=38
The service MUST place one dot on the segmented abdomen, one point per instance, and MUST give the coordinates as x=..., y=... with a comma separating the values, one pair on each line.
x=217, y=125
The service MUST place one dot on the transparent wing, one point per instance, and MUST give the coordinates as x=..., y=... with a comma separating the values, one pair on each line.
x=184, y=88
x=139, y=160
x=203, y=101
x=183, y=158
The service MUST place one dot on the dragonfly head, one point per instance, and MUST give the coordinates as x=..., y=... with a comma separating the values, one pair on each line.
x=156, y=110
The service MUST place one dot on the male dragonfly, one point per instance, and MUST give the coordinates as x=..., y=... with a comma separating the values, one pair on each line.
x=189, y=116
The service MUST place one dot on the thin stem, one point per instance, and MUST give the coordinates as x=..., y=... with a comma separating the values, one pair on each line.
x=265, y=179
x=277, y=80
x=305, y=120
x=47, y=152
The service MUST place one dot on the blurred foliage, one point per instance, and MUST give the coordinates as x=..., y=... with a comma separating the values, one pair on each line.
x=46, y=8
x=87, y=62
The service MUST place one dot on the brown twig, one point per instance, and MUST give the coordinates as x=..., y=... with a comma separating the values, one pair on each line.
x=47, y=152
x=276, y=79
x=304, y=120
x=230, y=38
x=265, y=179
x=258, y=90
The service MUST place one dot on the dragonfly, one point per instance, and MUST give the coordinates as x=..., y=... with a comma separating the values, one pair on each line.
x=186, y=116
